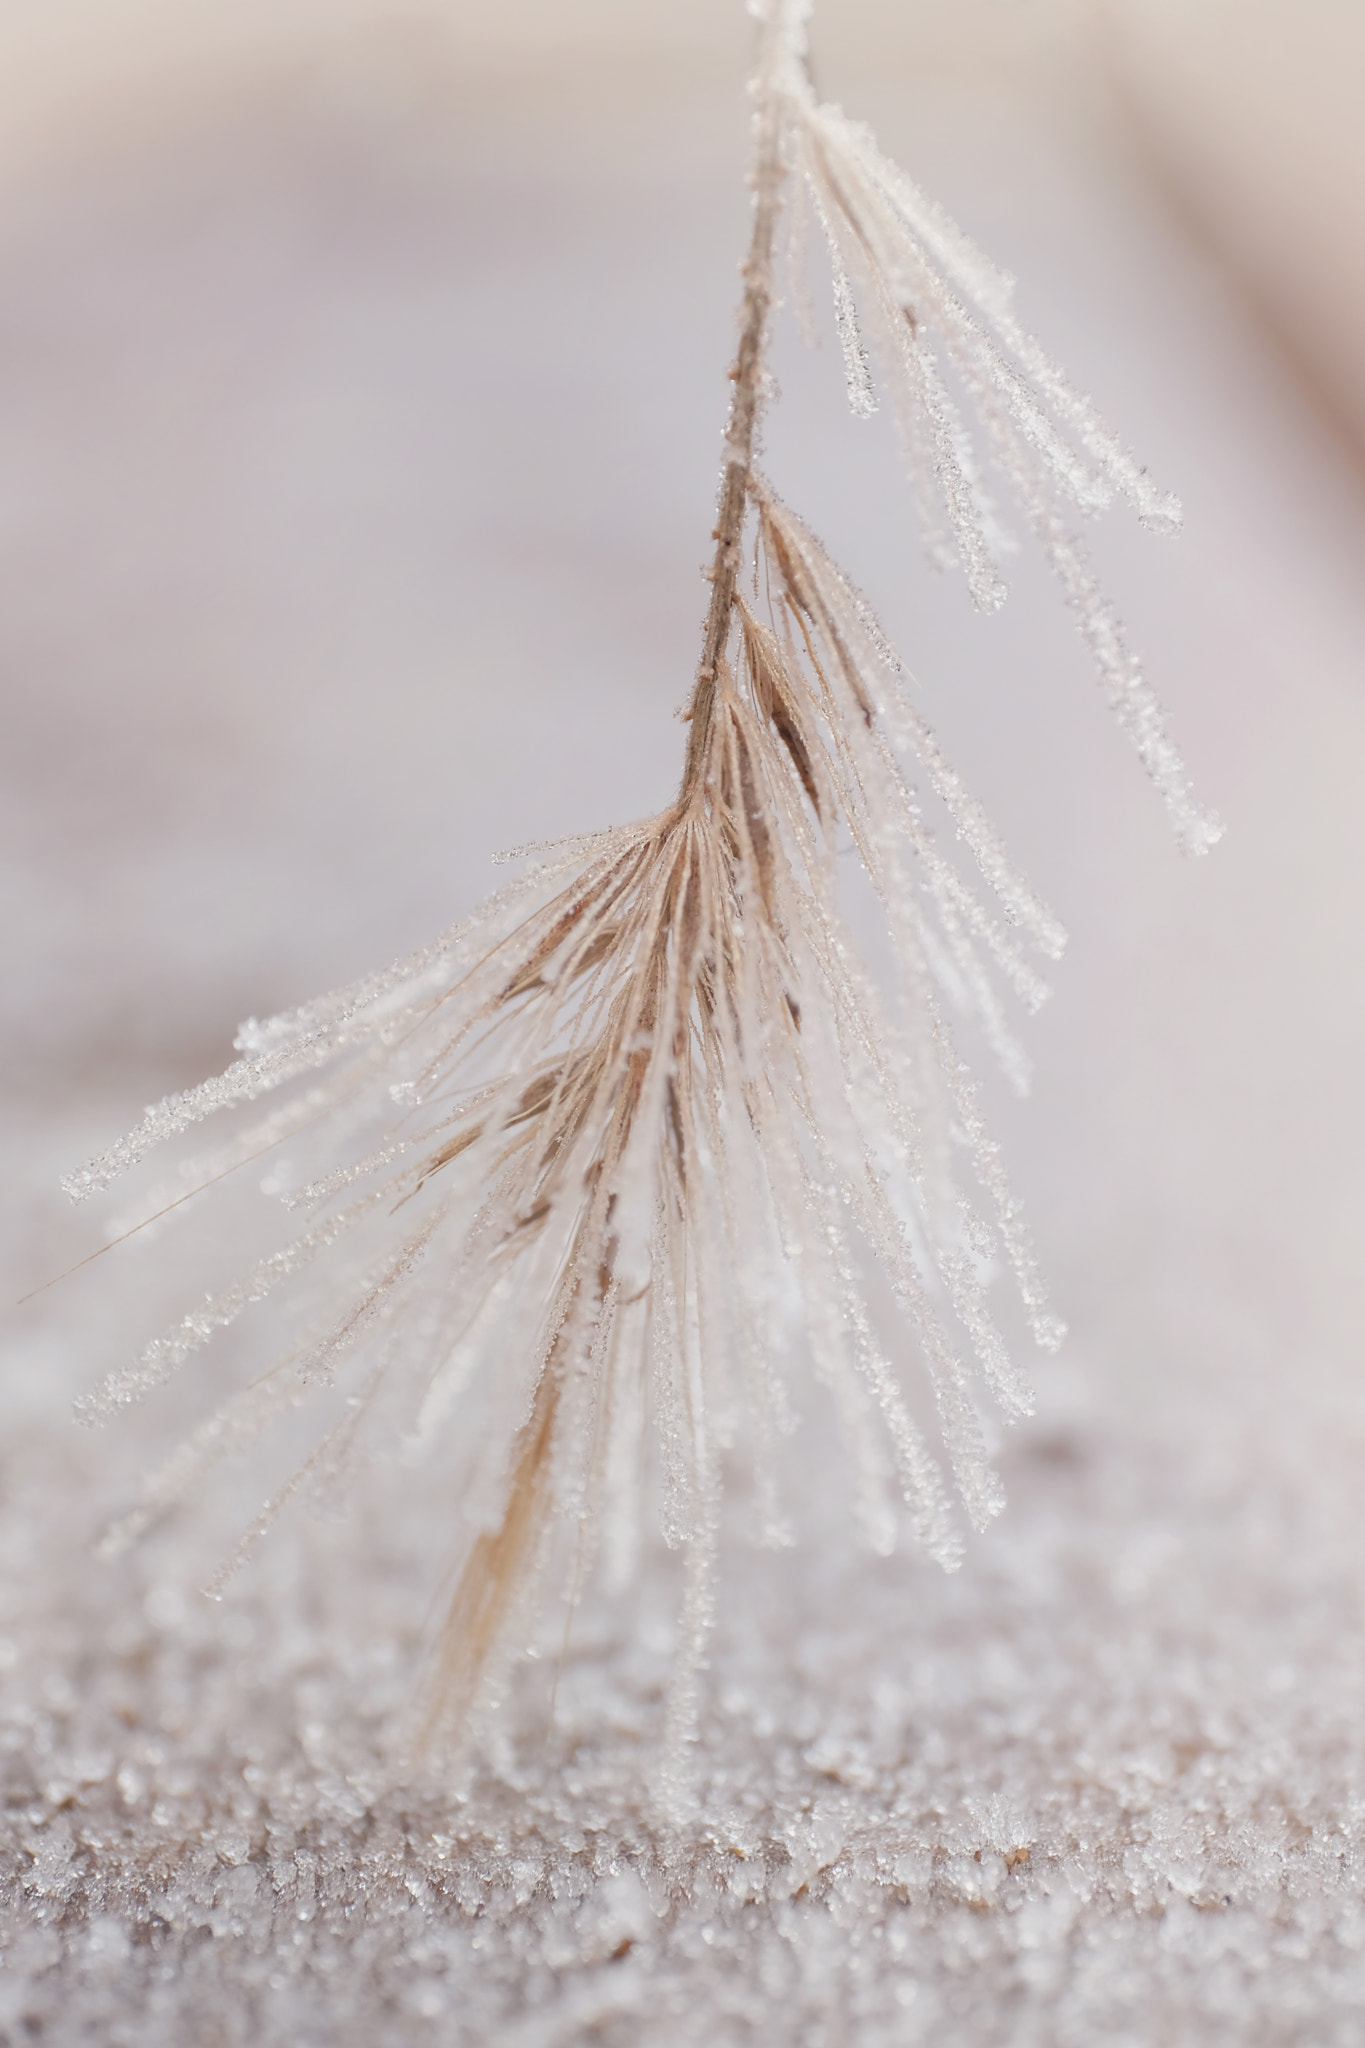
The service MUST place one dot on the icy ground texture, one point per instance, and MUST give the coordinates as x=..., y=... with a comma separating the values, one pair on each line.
x=1104, y=1785
x=297, y=659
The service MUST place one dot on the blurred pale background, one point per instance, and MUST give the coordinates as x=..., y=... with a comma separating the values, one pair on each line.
x=361, y=375
x=358, y=419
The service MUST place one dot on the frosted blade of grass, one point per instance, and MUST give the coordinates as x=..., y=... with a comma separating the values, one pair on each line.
x=1131, y=697
x=967, y=271
x=846, y=623
x=167, y=1353
x=228, y=1431
x=857, y=375
x=993, y=291
x=283, y=1047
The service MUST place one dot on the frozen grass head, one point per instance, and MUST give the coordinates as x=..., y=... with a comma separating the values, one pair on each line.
x=596, y=1182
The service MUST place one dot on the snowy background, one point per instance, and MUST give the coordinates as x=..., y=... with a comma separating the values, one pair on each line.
x=361, y=372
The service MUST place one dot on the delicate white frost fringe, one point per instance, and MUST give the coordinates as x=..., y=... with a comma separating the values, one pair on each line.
x=923, y=282
x=634, y=1137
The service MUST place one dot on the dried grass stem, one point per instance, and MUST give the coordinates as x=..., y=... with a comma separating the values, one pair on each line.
x=748, y=373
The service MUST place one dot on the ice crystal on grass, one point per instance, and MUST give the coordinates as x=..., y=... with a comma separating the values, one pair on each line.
x=923, y=282
x=610, y=1169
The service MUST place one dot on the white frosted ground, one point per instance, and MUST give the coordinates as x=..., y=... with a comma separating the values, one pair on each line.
x=356, y=492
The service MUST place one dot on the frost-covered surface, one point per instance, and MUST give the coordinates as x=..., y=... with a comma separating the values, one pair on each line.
x=1149, y=1673
x=1106, y=1784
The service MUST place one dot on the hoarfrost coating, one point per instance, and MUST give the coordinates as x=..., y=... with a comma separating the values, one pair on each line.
x=648, y=1136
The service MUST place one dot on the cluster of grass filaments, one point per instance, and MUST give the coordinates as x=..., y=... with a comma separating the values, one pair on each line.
x=611, y=1161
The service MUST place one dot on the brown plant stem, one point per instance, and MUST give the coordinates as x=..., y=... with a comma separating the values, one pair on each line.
x=503, y=1557
x=765, y=180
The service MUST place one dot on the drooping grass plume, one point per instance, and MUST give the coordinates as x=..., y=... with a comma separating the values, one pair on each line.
x=621, y=1155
